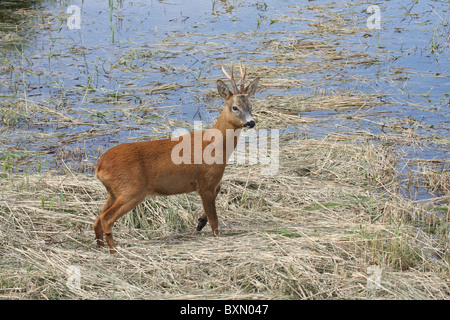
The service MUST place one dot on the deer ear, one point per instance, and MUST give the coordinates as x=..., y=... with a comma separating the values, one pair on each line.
x=223, y=90
x=251, y=88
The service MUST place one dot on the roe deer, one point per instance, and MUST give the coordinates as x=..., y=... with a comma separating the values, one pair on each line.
x=131, y=171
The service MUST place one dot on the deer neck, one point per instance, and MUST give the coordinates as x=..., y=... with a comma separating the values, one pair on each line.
x=225, y=126
x=230, y=134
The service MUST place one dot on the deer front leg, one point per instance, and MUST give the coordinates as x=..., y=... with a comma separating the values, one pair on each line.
x=202, y=222
x=209, y=204
x=204, y=219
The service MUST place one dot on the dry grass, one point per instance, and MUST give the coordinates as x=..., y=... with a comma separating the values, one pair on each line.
x=309, y=232
x=316, y=230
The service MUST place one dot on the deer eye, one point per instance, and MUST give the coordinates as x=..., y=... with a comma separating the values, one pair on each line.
x=235, y=108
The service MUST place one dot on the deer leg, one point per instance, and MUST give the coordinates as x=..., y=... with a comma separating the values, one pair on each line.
x=98, y=225
x=202, y=222
x=209, y=204
x=203, y=219
x=120, y=207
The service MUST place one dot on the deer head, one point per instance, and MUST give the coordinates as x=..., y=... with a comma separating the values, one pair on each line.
x=237, y=104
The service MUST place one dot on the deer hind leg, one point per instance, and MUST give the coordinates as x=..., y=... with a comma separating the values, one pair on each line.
x=98, y=225
x=121, y=206
x=204, y=219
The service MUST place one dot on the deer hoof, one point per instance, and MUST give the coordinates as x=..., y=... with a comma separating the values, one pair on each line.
x=100, y=243
x=201, y=223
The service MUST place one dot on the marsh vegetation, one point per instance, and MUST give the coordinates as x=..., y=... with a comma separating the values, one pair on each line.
x=363, y=176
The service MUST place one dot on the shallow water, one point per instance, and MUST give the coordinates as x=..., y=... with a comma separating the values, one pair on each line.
x=134, y=64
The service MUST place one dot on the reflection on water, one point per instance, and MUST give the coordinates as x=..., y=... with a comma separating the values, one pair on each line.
x=137, y=69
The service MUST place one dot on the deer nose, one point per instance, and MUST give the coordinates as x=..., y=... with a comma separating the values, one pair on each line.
x=250, y=124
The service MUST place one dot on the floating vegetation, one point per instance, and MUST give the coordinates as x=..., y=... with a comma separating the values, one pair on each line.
x=363, y=179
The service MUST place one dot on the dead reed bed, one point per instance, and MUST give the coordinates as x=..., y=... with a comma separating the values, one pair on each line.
x=332, y=223
x=329, y=225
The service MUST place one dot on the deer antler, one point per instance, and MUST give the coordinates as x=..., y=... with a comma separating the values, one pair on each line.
x=231, y=78
x=243, y=73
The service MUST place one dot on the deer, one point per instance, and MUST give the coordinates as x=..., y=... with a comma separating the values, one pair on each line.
x=132, y=171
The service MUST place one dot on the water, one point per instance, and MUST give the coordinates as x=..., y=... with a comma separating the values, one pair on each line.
x=134, y=64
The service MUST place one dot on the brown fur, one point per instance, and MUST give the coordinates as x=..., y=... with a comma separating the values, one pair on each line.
x=131, y=171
